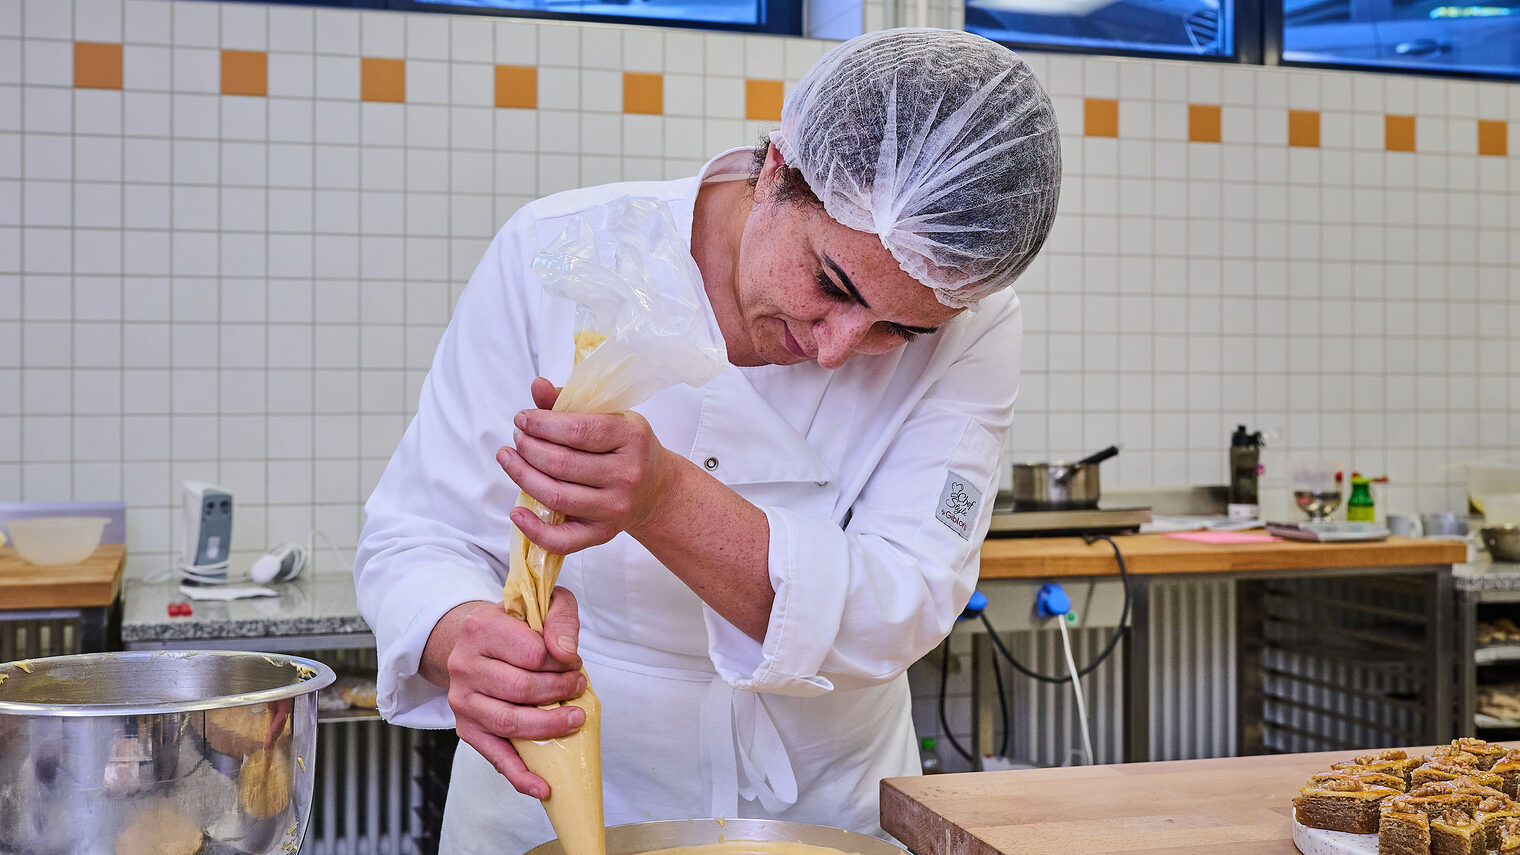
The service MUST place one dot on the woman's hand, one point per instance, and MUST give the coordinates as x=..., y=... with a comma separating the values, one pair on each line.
x=500, y=671
x=605, y=472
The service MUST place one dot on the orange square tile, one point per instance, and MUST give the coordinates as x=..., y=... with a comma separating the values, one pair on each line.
x=1493, y=138
x=1398, y=133
x=762, y=100
x=1203, y=123
x=97, y=65
x=382, y=79
x=245, y=72
x=1100, y=117
x=643, y=93
x=517, y=87
x=1303, y=128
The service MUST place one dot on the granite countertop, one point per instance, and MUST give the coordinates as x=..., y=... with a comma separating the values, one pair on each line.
x=1486, y=575
x=316, y=603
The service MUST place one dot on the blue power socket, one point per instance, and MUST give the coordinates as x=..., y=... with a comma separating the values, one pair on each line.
x=1051, y=601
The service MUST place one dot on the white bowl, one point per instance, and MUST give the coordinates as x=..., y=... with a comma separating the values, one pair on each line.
x=56, y=540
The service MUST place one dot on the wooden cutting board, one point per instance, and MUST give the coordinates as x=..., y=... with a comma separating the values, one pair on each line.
x=94, y=582
x=1231, y=806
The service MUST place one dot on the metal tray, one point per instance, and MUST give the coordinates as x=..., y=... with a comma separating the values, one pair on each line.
x=1333, y=532
x=640, y=837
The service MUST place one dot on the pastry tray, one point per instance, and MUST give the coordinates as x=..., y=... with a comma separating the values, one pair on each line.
x=1334, y=532
x=1318, y=841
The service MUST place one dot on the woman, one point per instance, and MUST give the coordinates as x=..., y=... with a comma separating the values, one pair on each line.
x=753, y=565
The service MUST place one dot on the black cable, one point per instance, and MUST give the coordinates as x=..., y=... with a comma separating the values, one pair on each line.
x=1107, y=649
x=944, y=676
x=997, y=674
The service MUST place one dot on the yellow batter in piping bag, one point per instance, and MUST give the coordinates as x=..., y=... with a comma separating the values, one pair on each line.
x=643, y=326
x=572, y=765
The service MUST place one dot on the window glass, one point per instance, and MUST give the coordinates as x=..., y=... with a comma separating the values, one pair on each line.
x=1183, y=27
x=1418, y=34
x=737, y=12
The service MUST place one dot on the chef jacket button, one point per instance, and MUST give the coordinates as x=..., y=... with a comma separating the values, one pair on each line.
x=820, y=483
x=710, y=463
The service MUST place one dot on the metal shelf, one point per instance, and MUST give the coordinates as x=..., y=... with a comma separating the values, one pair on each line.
x=1497, y=653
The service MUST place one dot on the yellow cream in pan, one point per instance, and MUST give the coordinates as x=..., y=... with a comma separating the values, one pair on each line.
x=748, y=847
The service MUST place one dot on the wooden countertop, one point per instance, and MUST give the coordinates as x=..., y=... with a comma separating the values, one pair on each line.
x=92, y=583
x=1056, y=557
x=1231, y=806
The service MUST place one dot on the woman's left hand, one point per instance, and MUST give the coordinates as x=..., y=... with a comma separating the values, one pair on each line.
x=605, y=472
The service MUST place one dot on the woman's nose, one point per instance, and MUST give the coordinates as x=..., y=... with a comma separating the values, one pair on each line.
x=838, y=336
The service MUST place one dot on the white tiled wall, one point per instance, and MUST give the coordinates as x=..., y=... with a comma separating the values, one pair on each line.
x=248, y=290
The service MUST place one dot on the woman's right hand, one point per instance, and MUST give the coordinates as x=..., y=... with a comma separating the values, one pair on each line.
x=501, y=671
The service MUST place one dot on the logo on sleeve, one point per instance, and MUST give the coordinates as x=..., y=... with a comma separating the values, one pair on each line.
x=958, y=501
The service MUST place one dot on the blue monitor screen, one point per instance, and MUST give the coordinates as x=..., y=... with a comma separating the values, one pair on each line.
x=1429, y=35
x=1181, y=27
x=744, y=12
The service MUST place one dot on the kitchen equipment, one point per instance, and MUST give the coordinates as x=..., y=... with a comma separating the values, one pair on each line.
x=1445, y=524
x=1318, y=504
x=56, y=540
x=1502, y=541
x=1245, y=468
x=1059, y=486
x=1329, y=532
x=1405, y=525
x=1500, y=508
x=209, y=751
x=1490, y=478
x=640, y=837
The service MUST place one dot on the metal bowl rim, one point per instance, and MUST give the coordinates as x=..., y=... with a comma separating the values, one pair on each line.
x=321, y=679
x=740, y=825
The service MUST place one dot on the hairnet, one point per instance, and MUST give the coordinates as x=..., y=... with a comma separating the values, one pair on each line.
x=941, y=143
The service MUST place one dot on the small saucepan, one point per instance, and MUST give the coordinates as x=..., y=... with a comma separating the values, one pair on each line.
x=1059, y=486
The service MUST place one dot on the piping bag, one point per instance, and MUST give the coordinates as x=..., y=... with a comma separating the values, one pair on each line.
x=641, y=327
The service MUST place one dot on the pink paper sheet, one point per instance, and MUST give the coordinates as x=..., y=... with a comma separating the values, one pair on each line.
x=1222, y=537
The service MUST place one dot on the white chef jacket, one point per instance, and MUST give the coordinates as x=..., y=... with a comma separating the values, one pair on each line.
x=877, y=481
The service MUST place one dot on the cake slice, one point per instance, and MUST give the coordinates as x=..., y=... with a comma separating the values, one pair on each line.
x=1365, y=775
x=1492, y=812
x=1508, y=768
x=1509, y=836
x=1441, y=795
x=1453, y=832
x=1452, y=769
x=1341, y=805
x=1403, y=829
x=1487, y=752
x=1395, y=761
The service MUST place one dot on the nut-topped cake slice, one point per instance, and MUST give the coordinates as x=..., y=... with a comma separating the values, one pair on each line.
x=1393, y=760
x=1365, y=775
x=1509, y=836
x=1492, y=812
x=1508, y=768
x=1403, y=829
x=1341, y=805
x=1459, y=766
x=1453, y=832
x=1487, y=752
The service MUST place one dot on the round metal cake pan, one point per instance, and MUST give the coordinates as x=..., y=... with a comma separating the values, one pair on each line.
x=640, y=837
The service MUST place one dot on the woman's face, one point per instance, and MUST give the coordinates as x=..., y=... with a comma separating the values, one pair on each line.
x=810, y=288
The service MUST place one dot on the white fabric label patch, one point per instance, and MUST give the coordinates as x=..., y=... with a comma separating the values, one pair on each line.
x=958, y=501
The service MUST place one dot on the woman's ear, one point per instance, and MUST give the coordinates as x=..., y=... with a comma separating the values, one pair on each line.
x=767, y=177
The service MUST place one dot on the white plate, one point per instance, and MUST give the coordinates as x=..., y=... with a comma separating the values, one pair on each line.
x=1318, y=841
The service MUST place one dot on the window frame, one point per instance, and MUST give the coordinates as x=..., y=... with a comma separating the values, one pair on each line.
x=1272, y=31
x=1247, y=38
x=780, y=17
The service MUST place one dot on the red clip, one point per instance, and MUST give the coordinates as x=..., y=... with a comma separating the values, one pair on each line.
x=179, y=609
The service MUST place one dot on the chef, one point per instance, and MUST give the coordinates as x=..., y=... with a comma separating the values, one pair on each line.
x=751, y=566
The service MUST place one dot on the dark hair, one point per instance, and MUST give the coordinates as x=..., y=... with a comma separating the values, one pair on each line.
x=789, y=186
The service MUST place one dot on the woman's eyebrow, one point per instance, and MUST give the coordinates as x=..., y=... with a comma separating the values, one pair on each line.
x=844, y=280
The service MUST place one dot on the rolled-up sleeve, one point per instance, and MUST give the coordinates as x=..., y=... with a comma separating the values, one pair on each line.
x=857, y=604
x=437, y=531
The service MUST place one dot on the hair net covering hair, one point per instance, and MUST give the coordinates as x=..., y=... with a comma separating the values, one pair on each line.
x=941, y=143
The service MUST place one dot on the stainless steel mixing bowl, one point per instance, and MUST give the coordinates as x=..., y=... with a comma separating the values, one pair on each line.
x=158, y=751
x=640, y=837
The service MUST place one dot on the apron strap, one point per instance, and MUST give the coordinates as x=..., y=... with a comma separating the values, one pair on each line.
x=742, y=752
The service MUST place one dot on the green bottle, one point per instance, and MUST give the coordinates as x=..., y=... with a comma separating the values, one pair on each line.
x=1359, y=505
